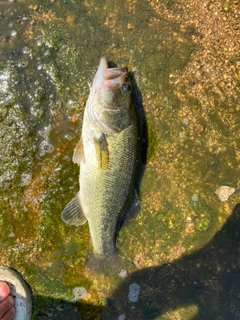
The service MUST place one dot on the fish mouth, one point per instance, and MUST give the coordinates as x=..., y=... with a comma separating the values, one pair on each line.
x=112, y=78
x=111, y=73
x=106, y=96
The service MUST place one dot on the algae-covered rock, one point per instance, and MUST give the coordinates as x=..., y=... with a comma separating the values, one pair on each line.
x=16, y=144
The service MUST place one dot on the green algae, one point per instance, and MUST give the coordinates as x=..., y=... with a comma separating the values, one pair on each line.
x=17, y=151
x=203, y=214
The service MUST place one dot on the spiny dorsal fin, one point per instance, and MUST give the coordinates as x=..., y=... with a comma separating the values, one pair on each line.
x=72, y=213
x=78, y=154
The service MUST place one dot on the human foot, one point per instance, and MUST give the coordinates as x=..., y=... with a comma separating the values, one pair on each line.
x=7, y=309
x=14, y=291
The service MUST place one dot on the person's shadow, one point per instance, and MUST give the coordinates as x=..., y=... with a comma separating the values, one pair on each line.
x=209, y=280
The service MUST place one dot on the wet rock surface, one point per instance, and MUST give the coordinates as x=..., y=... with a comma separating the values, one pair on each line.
x=185, y=61
x=59, y=314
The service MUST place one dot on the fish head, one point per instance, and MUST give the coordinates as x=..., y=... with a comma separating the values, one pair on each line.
x=113, y=98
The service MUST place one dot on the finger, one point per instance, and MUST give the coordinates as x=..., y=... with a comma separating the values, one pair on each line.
x=9, y=314
x=4, y=290
x=6, y=305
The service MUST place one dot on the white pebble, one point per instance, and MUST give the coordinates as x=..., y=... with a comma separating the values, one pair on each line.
x=79, y=293
x=11, y=235
x=224, y=192
x=195, y=197
x=181, y=135
x=45, y=147
x=26, y=179
x=13, y=33
x=123, y=273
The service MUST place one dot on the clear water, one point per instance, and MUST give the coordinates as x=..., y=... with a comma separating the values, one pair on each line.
x=49, y=54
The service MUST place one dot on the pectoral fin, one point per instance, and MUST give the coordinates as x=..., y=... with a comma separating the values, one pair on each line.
x=78, y=154
x=102, y=151
x=73, y=214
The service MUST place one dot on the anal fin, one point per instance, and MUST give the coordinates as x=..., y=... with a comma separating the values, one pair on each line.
x=72, y=213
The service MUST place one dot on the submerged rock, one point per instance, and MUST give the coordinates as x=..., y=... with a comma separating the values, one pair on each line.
x=16, y=141
x=224, y=192
x=134, y=292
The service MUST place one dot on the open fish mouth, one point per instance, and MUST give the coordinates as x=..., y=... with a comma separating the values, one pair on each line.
x=111, y=78
x=111, y=73
x=114, y=73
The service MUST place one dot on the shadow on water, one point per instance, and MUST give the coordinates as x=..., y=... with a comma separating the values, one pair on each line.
x=143, y=132
x=51, y=308
x=143, y=140
x=206, y=283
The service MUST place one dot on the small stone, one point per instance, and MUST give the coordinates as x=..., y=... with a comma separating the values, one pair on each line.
x=225, y=6
x=26, y=179
x=224, y=192
x=195, y=197
x=11, y=235
x=74, y=118
x=13, y=33
x=59, y=308
x=181, y=135
x=199, y=129
x=134, y=292
x=123, y=273
x=79, y=293
x=36, y=7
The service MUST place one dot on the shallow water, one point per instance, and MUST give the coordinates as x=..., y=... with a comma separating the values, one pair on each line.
x=184, y=57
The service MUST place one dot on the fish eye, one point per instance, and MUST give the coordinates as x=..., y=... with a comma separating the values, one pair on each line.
x=126, y=87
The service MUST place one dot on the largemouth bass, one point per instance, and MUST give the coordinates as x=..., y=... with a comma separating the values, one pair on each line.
x=108, y=154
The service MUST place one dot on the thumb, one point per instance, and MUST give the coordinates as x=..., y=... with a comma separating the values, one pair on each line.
x=4, y=290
